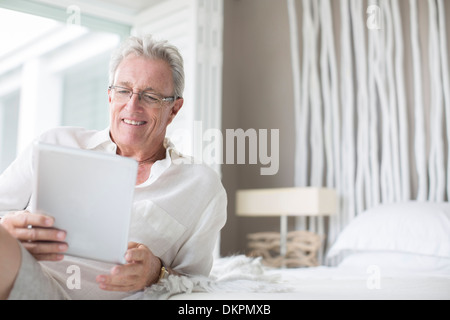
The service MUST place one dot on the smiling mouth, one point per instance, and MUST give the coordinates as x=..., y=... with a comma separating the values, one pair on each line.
x=134, y=123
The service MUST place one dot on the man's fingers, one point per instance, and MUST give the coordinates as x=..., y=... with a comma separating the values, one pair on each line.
x=24, y=219
x=39, y=234
x=135, y=255
x=122, y=282
x=36, y=233
x=126, y=271
x=124, y=288
x=132, y=245
x=122, y=278
x=26, y=226
x=45, y=248
x=134, y=275
x=49, y=257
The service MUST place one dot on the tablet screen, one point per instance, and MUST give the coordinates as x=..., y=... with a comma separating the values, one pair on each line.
x=90, y=195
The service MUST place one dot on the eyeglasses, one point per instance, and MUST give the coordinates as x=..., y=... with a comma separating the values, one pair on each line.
x=148, y=98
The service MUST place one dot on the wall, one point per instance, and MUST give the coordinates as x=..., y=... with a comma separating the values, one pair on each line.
x=257, y=94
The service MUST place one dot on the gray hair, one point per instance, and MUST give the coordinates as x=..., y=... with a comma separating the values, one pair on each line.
x=146, y=46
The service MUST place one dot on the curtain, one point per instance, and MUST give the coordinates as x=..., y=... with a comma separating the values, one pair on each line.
x=372, y=101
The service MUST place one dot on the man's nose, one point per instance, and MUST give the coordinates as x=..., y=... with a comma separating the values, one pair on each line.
x=135, y=101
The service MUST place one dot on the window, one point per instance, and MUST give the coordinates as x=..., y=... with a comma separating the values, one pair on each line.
x=85, y=99
x=9, y=107
x=51, y=74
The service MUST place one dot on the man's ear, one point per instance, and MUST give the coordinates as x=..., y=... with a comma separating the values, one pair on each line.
x=175, y=109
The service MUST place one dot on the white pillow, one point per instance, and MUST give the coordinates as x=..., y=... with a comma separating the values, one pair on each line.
x=409, y=227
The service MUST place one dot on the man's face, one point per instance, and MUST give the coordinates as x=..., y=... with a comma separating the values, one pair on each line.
x=135, y=126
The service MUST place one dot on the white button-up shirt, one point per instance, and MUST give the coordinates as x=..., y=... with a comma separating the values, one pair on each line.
x=178, y=212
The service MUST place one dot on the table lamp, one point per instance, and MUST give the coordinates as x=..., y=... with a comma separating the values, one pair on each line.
x=284, y=202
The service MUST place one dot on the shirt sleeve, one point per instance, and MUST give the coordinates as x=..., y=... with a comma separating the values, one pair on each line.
x=16, y=183
x=196, y=255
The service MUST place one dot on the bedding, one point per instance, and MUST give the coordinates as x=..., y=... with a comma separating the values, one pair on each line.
x=397, y=251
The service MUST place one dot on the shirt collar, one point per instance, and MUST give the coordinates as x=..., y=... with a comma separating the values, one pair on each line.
x=160, y=166
x=101, y=140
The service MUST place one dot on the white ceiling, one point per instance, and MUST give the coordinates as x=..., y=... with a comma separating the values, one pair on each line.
x=137, y=5
x=134, y=6
x=123, y=11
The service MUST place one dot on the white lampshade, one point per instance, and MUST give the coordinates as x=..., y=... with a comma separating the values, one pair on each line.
x=305, y=201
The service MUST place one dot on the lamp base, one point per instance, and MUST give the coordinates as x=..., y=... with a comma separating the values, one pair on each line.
x=302, y=248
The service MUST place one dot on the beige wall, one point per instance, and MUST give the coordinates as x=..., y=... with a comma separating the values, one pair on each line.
x=258, y=94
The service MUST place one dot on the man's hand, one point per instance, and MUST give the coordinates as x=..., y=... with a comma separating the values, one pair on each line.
x=142, y=270
x=37, y=235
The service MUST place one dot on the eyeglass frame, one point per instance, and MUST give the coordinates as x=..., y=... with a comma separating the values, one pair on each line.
x=161, y=100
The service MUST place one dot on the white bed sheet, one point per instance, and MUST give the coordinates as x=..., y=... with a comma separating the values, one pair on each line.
x=243, y=278
x=395, y=251
x=339, y=283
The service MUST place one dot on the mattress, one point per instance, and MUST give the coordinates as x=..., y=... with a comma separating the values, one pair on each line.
x=398, y=251
x=332, y=283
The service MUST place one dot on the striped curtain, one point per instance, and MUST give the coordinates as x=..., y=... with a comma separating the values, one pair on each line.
x=372, y=101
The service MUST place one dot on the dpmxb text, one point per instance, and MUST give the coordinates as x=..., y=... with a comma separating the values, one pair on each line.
x=246, y=309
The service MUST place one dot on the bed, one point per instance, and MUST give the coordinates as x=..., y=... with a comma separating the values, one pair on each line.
x=396, y=252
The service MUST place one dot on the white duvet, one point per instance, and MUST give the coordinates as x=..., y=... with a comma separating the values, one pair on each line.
x=239, y=277
x=398, y=251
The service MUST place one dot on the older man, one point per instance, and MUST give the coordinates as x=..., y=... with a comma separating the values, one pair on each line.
x=178, y=211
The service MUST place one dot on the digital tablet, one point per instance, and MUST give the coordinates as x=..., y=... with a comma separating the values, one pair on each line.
x=90, y=195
